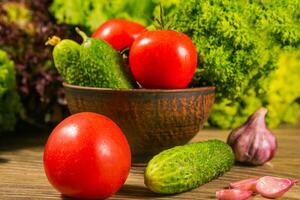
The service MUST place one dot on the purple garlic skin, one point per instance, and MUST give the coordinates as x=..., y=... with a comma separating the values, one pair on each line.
x=253, y=143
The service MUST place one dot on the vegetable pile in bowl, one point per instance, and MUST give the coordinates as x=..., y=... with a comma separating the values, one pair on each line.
x=158, y=59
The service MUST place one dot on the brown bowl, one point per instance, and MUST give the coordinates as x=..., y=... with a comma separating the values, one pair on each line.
x=151, y=119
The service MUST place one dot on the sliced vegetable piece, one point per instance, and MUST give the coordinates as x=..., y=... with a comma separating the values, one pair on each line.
x=246, y=184
x=273, y=187
x=233, y=194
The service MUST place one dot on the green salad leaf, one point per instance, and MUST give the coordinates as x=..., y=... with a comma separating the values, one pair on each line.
x=247, y=50
x=279, y=93
x=9, y=100
x=238, y=41
x=91, y=14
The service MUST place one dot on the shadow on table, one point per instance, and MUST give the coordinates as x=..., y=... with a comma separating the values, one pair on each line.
x=137, y=191
x=65, y=197
x=21, y=139
x=3, y=160
x=133, y=191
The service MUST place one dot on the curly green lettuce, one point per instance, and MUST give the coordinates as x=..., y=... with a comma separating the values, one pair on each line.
x=90, y=13
x=279, y=93
x=239, y=44
x=16, y=13
x=10, y=104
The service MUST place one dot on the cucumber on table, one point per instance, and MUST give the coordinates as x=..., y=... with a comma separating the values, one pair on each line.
x=183, y=168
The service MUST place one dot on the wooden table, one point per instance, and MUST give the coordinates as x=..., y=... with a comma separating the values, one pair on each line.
x=22, y=175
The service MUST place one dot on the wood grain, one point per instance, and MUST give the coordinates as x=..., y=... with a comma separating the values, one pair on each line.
x=22, y=176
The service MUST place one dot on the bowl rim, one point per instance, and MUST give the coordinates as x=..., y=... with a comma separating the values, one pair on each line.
x=194, y=89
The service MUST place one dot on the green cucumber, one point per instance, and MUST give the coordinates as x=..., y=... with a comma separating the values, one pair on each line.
x=102, y=65
x=94, y=63
x=66, y=59
x=183, y=168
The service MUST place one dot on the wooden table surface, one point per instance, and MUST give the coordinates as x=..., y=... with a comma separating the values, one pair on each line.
x=22, y=175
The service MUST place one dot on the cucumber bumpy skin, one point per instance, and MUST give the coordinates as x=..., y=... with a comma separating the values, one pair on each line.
x=102, y=66
x=94, y=63
x=183, y=168
x=66, y=60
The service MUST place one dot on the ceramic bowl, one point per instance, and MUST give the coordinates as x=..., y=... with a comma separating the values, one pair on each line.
x=151, y=119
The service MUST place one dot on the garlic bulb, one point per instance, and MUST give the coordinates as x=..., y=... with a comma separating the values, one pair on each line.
x=253, y=143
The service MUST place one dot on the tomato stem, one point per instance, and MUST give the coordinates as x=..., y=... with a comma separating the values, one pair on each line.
x=160, y=20
x=162, y=16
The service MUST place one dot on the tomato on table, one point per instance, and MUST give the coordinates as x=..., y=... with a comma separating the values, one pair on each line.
x=87, y=156
x=163, y=59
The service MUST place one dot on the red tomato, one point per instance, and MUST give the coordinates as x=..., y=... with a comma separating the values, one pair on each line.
x=163, y=59
x=119, y=33
x=87, y=156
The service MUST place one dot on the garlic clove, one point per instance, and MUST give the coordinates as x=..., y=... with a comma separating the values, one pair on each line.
x=246, y=184
x=273, y=187
x=233, y=194
x=253, y=143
